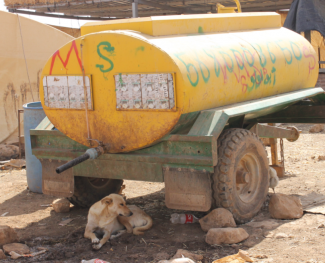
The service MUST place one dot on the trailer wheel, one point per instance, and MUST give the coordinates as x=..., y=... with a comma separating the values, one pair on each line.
x=241, y=177
x=89, y=190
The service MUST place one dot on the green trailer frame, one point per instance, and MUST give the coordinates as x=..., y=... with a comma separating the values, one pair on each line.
x=189, y=150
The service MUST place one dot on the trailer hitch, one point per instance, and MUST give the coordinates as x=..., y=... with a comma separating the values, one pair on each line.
x=91, y=153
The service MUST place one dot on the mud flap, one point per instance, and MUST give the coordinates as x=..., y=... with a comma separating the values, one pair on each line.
x=61, y=185
x=188, y=189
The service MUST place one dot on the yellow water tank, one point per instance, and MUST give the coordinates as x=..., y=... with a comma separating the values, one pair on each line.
x=142, y=74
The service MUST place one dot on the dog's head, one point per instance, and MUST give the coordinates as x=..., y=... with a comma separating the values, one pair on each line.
x=116, y=204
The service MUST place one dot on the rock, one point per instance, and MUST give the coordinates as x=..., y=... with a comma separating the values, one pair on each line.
x=281, y=235
x=321, y=158
x=7, y=235
x=217, y=218
x=316, y=128
x=61, y=205
x=187, y=254
x=16, y=247
x=218, y=236
x=8, y=152
x=161, y=256
x=285, y=207
x=2, y=254
x=266, y=224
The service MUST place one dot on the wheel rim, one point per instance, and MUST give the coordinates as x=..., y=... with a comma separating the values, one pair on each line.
x=247, y=177
x=98, y=182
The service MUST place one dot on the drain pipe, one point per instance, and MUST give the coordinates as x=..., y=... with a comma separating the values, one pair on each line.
x=91, y=153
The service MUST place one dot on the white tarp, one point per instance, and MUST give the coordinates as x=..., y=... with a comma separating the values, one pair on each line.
x=40, y=42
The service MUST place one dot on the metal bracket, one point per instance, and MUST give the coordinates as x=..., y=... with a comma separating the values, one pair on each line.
x=268, y=131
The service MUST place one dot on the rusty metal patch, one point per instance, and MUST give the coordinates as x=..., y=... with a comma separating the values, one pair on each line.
x=188, y=189
x=67, y=92
x=145, y=91
x=56, y=184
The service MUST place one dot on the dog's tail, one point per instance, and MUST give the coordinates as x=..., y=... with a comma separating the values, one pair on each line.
x=139, y=230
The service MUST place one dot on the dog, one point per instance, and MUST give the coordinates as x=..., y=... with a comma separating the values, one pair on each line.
x=110, y=216
x=274, y=179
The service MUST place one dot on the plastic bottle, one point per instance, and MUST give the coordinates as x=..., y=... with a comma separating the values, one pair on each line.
x=183, y=219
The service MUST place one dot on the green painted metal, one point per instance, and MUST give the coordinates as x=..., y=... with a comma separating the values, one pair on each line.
x=192, y=143
x=212, y=122
x=45, y=124
x=113, y=169
x=267, y=131
x=209, y=169
x=145, y=164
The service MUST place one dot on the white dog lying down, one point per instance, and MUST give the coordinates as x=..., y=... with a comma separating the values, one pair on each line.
x=111, y=215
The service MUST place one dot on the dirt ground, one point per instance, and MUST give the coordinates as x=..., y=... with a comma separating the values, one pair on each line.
x=38, y=225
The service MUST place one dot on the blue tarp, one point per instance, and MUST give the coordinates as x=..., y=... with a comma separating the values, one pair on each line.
x=306, y=15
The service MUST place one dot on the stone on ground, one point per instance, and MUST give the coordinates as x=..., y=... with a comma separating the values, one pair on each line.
x=281, y=235
x=217, y=218
x=8, y=152
x=316, y=128
x=16, y=247
x=285, y=207
x=187, y=254
x=7, y=235
x=219, y=236
x=61, y=205
x=2, y=254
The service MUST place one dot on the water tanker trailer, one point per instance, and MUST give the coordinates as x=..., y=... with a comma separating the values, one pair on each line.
x=177, y=99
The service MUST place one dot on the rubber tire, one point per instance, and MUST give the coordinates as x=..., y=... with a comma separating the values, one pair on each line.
x=86, y=194
x=233, y=144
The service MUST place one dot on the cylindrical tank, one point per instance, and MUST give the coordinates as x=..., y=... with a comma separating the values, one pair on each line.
x=33, y=115
x=139, y=84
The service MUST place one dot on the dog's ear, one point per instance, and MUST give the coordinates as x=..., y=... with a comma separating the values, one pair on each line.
x=107, y=201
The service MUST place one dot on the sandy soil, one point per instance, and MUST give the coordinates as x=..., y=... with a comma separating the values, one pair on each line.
x=38, y=225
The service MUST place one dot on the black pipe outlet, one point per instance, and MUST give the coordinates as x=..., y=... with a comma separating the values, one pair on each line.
x=72, y=163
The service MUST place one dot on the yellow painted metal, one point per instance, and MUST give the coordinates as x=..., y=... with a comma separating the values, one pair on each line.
x=238, y=6
x=188, y=24
x=211, y=70
x=222, y=9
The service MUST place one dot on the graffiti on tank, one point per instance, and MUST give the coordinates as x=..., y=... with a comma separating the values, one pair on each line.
x=110, y=51
x=312, y=59
x=66, y=61
x=252, y=68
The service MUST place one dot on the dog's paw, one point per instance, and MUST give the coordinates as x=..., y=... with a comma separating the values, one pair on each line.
x=95, y=240
x=97, y=246
x=119, y=233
